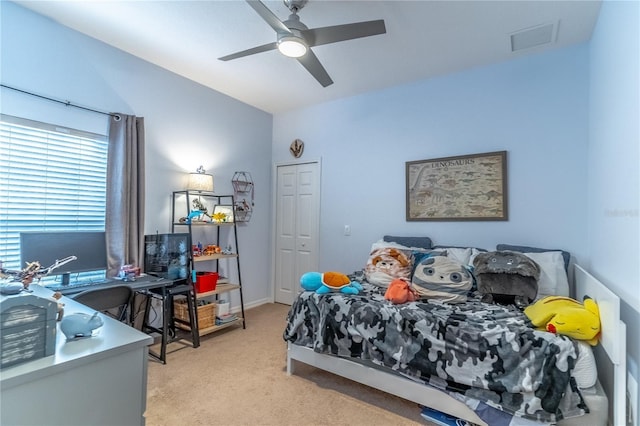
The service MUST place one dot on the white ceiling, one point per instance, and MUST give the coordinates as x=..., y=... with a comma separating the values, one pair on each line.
x=423, y=39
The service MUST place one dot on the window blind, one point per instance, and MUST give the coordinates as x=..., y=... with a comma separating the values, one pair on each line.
x=51, y=179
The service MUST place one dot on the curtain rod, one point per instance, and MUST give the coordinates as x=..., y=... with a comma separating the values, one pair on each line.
x=67, y=103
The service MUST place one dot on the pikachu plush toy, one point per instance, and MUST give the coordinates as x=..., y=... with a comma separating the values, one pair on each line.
x=567, y=316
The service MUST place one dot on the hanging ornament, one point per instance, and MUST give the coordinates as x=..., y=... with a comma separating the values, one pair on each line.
x=296, y=148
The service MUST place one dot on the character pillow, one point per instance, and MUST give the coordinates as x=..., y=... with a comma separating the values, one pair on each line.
x=506, y=277
x=386, y=264
x=441, y=278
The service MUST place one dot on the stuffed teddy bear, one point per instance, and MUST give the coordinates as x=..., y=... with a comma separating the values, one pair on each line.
x=386, y=264
x=506, y=277
x=323, y=283
x=399, y=291
x=567, y=316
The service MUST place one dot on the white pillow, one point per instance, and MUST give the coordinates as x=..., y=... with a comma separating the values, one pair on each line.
x=460, y=255
x=553, y=278
x=390, y=244
x=585, y=370
x=474, y=252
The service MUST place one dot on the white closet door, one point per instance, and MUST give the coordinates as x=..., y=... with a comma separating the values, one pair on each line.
x=297, y=227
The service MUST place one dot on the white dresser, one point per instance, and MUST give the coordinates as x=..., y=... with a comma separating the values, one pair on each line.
x=101, y=380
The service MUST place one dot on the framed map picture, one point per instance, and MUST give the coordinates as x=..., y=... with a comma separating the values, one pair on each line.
x=467, y=187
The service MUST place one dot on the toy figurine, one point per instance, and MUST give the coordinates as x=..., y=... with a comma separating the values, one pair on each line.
x=60, y=312
x=323, y=283
x=32, y=271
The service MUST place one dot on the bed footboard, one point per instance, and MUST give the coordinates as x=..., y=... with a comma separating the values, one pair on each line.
x=378, y=379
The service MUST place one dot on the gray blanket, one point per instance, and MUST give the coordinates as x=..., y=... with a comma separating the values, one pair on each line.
x=482, y=351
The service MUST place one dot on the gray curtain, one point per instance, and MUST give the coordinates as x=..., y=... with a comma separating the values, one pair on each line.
x=125, y=192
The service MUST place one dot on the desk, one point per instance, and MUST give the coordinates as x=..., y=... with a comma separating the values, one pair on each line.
x=165, y=289
x=145, y=282
x=97, y=380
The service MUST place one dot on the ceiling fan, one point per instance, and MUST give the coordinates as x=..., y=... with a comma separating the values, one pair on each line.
x=295, y=39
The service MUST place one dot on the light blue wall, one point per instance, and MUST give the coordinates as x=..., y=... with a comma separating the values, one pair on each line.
x=535, y=108
x=614, y=159
x=568, y=119
x=186, y=124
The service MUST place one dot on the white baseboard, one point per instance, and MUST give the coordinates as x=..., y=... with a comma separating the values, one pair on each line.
x=254, y=304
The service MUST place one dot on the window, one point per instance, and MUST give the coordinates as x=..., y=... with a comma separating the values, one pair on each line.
x=51, y=179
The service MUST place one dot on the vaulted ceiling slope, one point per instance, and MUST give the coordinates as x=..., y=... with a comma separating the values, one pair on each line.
x=423, y=39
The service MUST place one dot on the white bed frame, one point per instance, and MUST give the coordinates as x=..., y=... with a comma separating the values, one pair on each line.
x=613, y=341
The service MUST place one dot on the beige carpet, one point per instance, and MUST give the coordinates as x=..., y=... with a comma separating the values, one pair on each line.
x=238, y=377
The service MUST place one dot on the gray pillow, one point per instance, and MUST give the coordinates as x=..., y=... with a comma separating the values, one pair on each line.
x=566, y=256
x=419, y=242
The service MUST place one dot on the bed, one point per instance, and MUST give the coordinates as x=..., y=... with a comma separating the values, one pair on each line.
x=427, y=352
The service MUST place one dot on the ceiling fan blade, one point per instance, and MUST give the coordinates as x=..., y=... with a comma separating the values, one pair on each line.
x=333, y=34
x=312, y=64
x=268, y=16
x=252, y=51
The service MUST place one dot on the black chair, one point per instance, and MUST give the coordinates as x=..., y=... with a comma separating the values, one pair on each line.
x=113, y=301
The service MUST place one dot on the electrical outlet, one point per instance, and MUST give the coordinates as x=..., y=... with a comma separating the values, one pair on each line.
x=632, y=396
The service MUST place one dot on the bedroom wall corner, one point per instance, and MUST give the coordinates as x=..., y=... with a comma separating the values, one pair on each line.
x=614, y=159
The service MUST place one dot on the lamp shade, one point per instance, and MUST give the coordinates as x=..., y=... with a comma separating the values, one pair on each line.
x=200, y=182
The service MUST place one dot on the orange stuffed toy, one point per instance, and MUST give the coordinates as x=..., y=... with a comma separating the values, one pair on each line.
x=399, y=292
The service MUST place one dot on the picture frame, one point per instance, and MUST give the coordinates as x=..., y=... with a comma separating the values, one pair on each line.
x=221, y=209
x=461, y=188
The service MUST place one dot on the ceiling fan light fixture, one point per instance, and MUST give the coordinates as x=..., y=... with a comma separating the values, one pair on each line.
x=292, y=46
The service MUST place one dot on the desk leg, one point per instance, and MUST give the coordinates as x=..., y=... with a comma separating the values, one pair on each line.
x=193, y=318
x=166, y=318
x=164, y=333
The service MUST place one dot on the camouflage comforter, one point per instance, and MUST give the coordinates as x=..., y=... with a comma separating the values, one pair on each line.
x=485, y=352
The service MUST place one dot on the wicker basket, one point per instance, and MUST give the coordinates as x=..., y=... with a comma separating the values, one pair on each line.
x=206, y=313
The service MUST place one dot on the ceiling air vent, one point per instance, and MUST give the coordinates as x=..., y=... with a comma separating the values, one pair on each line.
x=534, y=36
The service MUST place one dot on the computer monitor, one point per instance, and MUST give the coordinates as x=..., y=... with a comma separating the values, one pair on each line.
x=167, y=255
x=89, y=247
